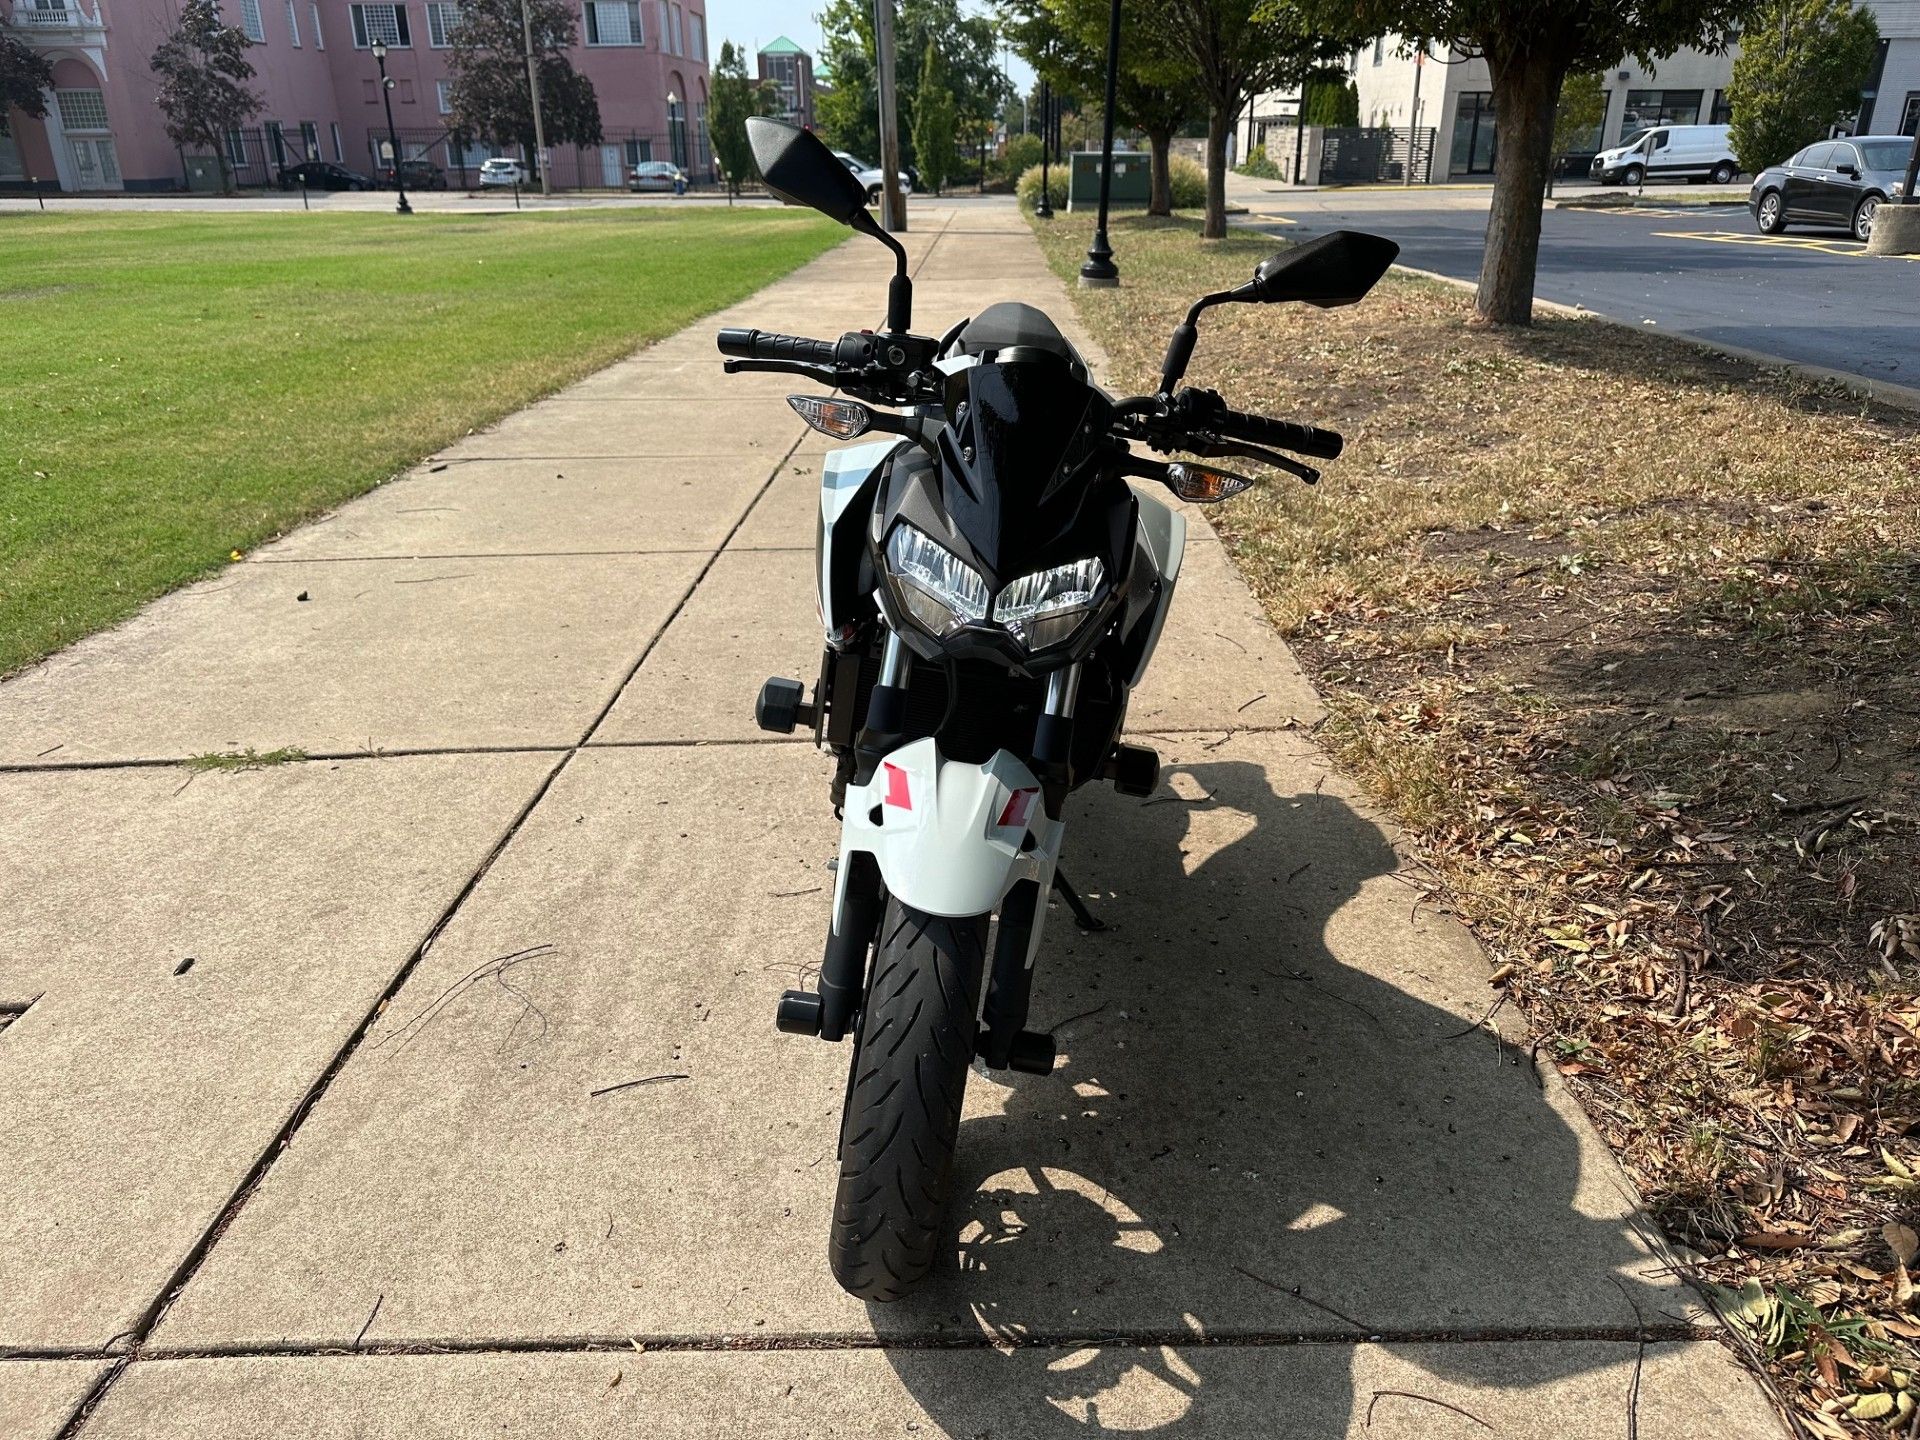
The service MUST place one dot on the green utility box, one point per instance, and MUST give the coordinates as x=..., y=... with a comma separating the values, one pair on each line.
x=1132, y=179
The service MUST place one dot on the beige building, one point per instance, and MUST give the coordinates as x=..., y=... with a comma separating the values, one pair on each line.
x=1453, y=96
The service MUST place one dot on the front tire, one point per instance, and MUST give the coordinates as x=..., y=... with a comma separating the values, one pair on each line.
x=917, y=1033
x=1772, y=215
x=1635, y=177
x=1863, y=218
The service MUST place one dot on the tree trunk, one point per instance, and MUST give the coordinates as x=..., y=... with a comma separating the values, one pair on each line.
x=1526, y=91
x=1160, y=200
x=1219, y=125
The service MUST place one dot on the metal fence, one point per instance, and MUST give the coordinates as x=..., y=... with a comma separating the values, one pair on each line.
x=253, y=157
x=589, y=167
x=1370, y=155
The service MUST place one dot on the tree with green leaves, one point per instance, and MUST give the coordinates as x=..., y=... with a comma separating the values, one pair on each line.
x=1578, y=119
x=488, y=62
x=203, y=92
x=1330, y=99
x=1239, y=48
x=25, y=78
x=1799, y=73
x=732, y=100
x=933, y=122
x=1154, y=92
x=848, y=116
x=1530, y=47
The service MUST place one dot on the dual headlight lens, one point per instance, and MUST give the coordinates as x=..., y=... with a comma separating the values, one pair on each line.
x=943, y=593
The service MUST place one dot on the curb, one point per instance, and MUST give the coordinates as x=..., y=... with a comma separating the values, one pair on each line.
x=1887, y=392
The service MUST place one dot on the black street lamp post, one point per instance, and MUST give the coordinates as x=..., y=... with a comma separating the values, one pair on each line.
x=393, y=137
x=1043, y=207
x=1100, y=269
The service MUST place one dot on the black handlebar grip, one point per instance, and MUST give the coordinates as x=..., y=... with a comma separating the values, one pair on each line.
x=1284, y=435
x=766, y=345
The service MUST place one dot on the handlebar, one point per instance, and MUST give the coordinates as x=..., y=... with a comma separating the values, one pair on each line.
x=749, y=344
x=1284, y=434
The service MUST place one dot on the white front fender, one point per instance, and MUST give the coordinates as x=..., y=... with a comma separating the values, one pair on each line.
x=949, y=837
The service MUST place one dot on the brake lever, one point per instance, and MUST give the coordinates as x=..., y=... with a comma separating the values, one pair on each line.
x=1214, y=445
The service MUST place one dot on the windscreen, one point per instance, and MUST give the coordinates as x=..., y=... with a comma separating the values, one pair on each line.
x=1886, y=154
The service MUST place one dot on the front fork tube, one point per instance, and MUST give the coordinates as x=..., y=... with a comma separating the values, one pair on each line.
x=886, y=709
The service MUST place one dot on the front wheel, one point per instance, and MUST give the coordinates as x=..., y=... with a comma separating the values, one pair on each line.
x=1772, y=215
x=1635, y=177
x=916, y=1041
x=1863, y=218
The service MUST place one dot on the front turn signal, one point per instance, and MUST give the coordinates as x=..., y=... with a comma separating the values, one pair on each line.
x=842, y=419
x=1203, y=484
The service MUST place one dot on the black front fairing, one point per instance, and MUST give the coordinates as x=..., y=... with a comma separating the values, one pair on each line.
x=1024, y=483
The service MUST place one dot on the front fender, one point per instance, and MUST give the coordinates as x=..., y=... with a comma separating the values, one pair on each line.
x=950, y=838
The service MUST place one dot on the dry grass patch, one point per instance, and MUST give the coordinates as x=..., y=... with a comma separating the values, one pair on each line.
x=1623, y=632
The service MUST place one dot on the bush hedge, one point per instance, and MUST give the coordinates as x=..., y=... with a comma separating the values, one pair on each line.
x=1187, y=180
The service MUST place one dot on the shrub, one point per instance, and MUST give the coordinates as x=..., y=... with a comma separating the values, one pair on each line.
x=1023, y=152
x=1188, y=182
x=1028, y=190
x=1259, y=165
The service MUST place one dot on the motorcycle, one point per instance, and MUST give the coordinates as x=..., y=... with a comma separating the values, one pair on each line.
x=991, y=589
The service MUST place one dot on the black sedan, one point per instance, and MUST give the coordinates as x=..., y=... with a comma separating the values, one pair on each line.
x=1838, y=183
x=322, y=175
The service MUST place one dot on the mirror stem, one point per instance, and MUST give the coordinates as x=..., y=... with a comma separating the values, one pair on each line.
x=900, y=290
x=1180, y=347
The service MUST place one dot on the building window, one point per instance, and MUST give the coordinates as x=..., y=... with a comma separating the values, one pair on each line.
x=11, y=167
x=310, y=140
x=441, y=20
x=673, y=29
x=1910, y=114
x=250, y=21
x=1722, y=112
x=443, y=96
x=1647, y=108
x=81, y=109
x=293, y=23
x=277, y=143
x=236, y=148
x=1474, y=139
x=333, y=129
x=639, y=151
x=313, y=14
x=697, y=31
x=614, y=22
x=385, y=23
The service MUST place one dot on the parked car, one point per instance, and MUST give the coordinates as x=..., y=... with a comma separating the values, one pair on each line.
x=871, y=176
x=657, y=175
x=419, y=175
x=322, y=175
x=1669, y=152
x=1832, y=182
x=502, y=171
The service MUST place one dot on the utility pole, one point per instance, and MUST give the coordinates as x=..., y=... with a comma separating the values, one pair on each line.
x=1413, y=119
x=893, y=212
x=533, y=90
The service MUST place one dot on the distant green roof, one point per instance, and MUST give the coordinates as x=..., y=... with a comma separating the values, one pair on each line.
x=782, y=46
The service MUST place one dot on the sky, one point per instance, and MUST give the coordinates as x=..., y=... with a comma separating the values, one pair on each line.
x=752, y=23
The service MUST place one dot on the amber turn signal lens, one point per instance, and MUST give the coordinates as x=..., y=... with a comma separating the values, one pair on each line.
x=842, y=419
x=1203, y=484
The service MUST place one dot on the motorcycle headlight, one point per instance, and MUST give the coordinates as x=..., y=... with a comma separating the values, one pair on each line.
x=1045, y=608
x=941, y=591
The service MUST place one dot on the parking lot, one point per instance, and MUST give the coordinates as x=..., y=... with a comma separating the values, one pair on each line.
x=1812, y=297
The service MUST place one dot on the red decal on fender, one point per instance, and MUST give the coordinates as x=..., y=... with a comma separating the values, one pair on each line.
x=897, y=792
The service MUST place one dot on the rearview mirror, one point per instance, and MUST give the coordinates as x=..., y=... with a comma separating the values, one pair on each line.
x=1336, y=269
x=800, y=170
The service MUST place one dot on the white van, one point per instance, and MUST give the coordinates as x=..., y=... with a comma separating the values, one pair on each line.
x=1669, y=152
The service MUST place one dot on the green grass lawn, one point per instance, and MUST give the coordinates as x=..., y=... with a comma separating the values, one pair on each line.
x=176, y=387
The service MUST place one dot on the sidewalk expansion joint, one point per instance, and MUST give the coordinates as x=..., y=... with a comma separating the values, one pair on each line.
x=1067, y=1340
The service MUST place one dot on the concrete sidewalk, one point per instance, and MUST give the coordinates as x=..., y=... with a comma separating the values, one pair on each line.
x=306, y=1088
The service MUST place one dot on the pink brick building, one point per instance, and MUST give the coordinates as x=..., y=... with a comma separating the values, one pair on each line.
x=315, y=73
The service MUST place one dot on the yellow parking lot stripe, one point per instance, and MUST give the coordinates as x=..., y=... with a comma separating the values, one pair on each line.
x=1788, y=242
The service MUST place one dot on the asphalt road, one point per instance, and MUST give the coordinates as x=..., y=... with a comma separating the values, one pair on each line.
x=1810, y=297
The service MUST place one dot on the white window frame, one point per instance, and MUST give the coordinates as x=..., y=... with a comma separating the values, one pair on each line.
x=339, y=154
x=87, y=124
x=441, y=18
x=251, y=23
x=398, y=37
x=442, y=96
x=293, y=22
x=675, y=29
x=590, y=29
x=697, y=33
x=319, y=36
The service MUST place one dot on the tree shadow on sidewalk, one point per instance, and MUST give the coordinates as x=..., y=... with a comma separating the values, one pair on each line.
x=1251, y=1138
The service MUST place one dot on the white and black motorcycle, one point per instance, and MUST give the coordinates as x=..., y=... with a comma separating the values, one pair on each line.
x=992, y=589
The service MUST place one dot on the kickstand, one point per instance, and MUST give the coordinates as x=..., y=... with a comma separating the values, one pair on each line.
x=1082, y=916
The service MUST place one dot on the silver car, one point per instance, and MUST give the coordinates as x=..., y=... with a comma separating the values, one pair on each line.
x=1839, y=183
